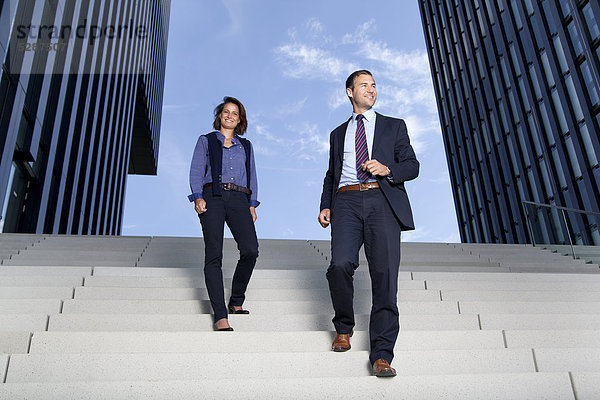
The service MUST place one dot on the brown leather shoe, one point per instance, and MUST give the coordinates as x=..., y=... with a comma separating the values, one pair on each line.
x=341, y=342
x=382, y=369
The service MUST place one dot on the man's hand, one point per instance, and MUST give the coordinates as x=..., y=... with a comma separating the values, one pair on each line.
x=374, y=167
x=200, y=206
x=253, y=212
x=325, y=217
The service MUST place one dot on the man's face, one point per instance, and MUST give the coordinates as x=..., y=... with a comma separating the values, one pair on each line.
x=364, y=93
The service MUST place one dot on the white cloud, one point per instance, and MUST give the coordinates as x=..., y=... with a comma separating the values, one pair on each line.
x=338, y=99
x=315, y=26
x=403, y=77
x=310, y=142
x=305, y=61
x=304, y=141
x=361, y=33
x=420, y=131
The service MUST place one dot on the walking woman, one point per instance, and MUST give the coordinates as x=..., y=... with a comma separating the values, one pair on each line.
x=224, y=190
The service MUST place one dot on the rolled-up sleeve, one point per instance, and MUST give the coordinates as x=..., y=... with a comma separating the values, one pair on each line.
x=198, y=170
x=253, y=180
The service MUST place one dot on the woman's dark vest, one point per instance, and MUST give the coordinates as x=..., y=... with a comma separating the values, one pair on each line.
x=215, y=155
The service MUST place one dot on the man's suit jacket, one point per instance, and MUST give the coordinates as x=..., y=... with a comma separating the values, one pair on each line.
x=391, y=147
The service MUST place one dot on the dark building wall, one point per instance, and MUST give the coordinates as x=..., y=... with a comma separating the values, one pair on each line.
x=518, y=91
x=79, y=111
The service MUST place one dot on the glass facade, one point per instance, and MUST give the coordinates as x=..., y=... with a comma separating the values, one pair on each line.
x=517, y=85
x=81, y=92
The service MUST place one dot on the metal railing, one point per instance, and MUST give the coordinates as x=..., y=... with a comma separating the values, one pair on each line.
x=552, y=225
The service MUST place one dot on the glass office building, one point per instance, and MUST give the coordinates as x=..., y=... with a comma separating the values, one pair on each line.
x=81, y=92
x=518, y=90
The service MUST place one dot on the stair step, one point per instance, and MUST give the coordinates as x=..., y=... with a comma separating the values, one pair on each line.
x=3, y=366
x=585, y=385
x=410, y=290
x=30, y=306
x=505, y=277
x=556, y=386
x=257, y=307
x=529, y=307
x=249, y=342
x=200, y=366
x=316, y=295
x=23, y=322
x=22, y=292
x=494, y=285
x=255, y=283
x=573, y=359
x=14, y=342
x=520, y=295
x=261, y=323
x=540, y=321
x=198, y=273
x=35, y=271
x=40, y=281
x=552, y=339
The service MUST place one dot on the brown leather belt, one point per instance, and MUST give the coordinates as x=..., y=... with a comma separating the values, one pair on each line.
x=360, y=186
x=233, y=187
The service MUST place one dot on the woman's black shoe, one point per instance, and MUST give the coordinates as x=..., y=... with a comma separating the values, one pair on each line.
x=228, y=329
x=232, y=310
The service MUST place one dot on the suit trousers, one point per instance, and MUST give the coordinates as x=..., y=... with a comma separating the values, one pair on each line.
x=231, y=208
x=359, y=218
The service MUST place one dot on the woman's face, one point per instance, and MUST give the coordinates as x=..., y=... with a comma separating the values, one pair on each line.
x=230, y=116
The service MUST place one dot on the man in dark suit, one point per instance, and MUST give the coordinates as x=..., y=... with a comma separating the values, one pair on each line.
x=365, y=201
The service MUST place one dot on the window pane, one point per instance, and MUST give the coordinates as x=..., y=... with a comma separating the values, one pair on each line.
x=534, y=80
x=574, y=98
x=517, y=15
x=589, y=147
x=561, y=55
x=590, y=85
x=575, y=38
x=592, y=24
x=547, y=70
x=560, y=113
x=529, y=7
x=565, y=8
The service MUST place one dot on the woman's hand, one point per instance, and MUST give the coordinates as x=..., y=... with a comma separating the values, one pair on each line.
x=253, y=212
x=200, y=206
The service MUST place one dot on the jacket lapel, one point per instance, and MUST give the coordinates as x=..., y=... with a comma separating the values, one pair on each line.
x=341, y=136
x=380, y=127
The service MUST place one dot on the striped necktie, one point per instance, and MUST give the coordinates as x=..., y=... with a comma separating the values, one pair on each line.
x=362, y=151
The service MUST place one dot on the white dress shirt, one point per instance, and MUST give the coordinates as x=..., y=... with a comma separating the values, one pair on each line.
x=349, y=166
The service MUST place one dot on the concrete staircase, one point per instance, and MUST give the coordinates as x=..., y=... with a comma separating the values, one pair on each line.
x=129, y=318
x=590, y=254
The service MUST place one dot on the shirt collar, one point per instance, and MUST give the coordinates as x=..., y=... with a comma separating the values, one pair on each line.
x=369, y=115
x=221, y=138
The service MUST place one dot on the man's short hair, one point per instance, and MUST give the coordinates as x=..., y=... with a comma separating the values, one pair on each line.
x=350, y=80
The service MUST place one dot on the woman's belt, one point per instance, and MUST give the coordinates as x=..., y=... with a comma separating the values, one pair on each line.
x=233, y=187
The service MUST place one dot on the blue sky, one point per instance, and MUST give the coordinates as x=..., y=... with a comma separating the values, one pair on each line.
x=287, y=61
